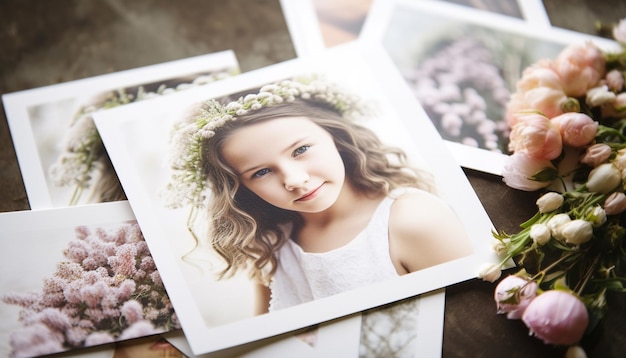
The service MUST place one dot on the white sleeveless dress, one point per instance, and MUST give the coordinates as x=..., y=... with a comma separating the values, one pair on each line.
x=303, y=276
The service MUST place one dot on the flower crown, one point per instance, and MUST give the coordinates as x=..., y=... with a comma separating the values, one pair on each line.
x=188, y=184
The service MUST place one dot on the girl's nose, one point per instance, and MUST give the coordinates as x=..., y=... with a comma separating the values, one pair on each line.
x=295, y=178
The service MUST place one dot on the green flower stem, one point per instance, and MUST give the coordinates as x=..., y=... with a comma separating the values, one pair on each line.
x=539, y=276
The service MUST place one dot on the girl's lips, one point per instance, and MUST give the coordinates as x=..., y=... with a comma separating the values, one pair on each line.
x=310, y=195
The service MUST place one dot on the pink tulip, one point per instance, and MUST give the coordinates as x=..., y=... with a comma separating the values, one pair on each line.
x=519, y=169
x=556, y=317
x=580, y=67
x=577, y=129
x=535, y=135
x=513, y=294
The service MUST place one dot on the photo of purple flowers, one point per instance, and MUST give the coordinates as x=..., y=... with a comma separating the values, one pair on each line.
x=462, y=72
x=86, y=285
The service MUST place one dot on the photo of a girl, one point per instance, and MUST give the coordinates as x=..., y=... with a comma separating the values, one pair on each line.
x=306, y=200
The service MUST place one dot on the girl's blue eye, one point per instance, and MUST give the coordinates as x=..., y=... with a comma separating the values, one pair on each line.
x=301, y=150
x=260, y=173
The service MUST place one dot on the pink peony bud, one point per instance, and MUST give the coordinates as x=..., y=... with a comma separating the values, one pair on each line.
x=513, y=294
x=538, y=89
x=577, y=129
x=615, y=80
x=535, y=135
x=604, y=178
x=519, y=170
x=556, y=317
x=580, y=67
x=549, y=202
x=596, y=154
x=615, y=203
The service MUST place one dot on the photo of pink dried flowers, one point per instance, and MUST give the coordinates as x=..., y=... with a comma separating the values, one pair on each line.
x=462, y=65
x=85, y=285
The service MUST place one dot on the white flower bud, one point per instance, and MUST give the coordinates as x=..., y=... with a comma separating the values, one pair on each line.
x=490, y=272
x=498, y=247
x=575, y=352
x=540, y=233
x=598, y=96
x=549, y=202
x=596, y=215
x=555, y=223
x=620, y=159
x=604, y=178
x=577, y=231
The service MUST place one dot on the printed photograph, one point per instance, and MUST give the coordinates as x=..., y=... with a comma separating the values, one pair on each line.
x=341, y=21
x=59, y=150
x=91, y=281
x=318, y=24
x=291, y=195
x=463, y=66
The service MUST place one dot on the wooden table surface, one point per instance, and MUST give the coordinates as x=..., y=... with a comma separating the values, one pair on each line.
x=51, y=42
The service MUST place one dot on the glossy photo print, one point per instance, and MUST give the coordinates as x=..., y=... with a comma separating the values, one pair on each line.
x=268, y=198
x=462, y=66
x=60, y=153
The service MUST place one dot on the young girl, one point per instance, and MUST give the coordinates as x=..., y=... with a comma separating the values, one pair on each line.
x=308, y=201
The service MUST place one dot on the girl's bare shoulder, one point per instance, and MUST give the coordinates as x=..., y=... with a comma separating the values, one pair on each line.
x=417, y=206
x=424, y=231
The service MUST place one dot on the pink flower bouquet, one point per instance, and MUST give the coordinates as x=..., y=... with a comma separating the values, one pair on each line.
x=567, y=123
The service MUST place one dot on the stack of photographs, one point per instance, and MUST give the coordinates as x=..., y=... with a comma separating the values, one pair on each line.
x=115, y=263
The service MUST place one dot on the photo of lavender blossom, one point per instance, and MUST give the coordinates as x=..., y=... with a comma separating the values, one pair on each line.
x=461, y=72
x=86, y=285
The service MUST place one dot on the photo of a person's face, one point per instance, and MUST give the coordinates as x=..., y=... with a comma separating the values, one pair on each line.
x=290, y=162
